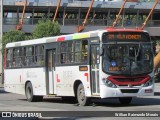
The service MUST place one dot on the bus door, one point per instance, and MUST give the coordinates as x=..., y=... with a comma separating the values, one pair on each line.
x=95, y=69
x=51, y=54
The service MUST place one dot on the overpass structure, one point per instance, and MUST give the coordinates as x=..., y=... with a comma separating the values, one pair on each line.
x=72, y=13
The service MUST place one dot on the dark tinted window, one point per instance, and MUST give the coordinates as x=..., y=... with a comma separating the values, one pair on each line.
x=72, y=52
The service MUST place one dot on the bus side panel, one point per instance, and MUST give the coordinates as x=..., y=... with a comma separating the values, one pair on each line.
x=37, y=78
x=65, y=78
x=13, y=81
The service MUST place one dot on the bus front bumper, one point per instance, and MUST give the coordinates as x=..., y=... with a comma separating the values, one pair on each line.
x=106, y=92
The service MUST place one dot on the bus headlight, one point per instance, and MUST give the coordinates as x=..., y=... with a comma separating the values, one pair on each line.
x=148, y=83
x=109, y=83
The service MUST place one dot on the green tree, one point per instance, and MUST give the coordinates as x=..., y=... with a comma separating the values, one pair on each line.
x=12, y=36
x=28, y=37
x=46, y=28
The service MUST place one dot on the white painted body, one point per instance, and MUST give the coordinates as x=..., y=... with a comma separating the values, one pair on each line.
x=15, y=80
x=64, y=79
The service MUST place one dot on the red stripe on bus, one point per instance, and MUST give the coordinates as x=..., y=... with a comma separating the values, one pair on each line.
x=86, y=74
x=143, y=79
x=61, y=39
x=58, y=80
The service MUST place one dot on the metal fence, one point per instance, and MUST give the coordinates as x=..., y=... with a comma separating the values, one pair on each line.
x=90, y=22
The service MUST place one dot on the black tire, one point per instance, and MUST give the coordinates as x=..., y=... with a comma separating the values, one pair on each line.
x=29, y=94
x=125, y=100
x=82, y=99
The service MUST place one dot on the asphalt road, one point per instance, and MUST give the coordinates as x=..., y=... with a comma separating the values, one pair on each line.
x=14, y=102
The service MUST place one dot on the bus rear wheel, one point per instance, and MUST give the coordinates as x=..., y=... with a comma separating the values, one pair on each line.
x=82, y=99
x=29, y=94
x=125, y=100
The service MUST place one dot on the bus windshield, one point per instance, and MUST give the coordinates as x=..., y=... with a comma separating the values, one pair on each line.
x=127, y=59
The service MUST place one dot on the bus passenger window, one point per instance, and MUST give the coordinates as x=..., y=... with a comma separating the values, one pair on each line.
x=73, y=52
x=78, y=47
x=63, y=53
x=29, y=61
x=63, y=58
x=84, y=51
x=17, y=57
x=14, y=63
x=39, y=55
x=9, y=58
x=70, y=52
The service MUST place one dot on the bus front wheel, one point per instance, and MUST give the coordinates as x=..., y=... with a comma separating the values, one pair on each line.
x=82, y=99
x=125, y=100
x=29, y=94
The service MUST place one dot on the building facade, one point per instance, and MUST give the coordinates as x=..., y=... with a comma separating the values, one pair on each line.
x=72, y=14
x=1, y=32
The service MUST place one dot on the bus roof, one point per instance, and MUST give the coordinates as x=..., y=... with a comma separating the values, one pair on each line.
x=54, y=39
x=69, y=37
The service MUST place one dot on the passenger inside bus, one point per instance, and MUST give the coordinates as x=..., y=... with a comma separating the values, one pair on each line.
x=14, y=63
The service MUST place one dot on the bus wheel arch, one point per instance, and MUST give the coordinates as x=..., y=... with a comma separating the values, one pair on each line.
x=29, y=93
x=76, y=84
x=80, y=94
x=26, y=84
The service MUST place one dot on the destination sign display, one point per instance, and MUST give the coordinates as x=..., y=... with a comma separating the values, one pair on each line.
x=125, y=36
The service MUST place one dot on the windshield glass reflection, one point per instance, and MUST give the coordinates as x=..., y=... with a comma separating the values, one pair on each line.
x=127, y=59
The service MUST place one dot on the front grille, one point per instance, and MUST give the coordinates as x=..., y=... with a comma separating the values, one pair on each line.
x=127, y=85
x=129, y=90
x=129, y=80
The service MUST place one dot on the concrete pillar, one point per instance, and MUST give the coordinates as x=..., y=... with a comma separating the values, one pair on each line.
x=137, y=18
x=49, y=11
x=94, y=12
x=123, y=14
x=64, y=14
x=32, y=16
x=79, y=17
x=108, y=17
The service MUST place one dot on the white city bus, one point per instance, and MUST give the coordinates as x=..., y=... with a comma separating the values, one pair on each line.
x=104, y=63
